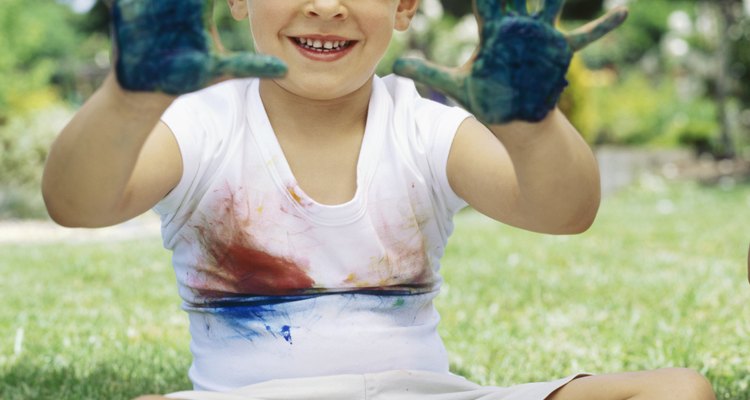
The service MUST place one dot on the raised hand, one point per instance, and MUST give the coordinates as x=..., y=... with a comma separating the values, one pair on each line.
x=164, y=46
x=518, y=71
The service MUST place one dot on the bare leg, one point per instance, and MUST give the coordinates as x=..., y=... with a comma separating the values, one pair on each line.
x=662, y=384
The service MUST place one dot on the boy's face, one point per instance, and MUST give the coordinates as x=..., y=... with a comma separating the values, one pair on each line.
x=330, y=46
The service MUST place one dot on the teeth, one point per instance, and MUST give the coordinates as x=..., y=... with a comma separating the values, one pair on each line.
x=317, y=44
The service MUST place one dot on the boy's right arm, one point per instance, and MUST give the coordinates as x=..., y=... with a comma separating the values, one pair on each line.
x=115, y=160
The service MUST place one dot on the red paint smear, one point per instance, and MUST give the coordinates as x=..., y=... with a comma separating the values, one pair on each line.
x=235, y=261
x=254, y=271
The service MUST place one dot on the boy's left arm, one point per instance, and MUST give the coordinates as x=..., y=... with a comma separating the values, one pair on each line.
x=524, y=164
x=538, y=176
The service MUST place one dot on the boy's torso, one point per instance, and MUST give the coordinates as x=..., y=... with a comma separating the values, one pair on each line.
x=249, y=236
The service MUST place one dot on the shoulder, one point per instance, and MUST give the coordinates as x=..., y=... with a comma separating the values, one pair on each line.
x=207, y=116
x=398, y=87
x=213, y=108
x=404, y=95
x=220, y=97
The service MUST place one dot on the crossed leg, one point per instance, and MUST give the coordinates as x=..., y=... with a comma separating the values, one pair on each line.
x=661, y=384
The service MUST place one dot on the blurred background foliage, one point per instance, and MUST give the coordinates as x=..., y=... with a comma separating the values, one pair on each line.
x=677, y=74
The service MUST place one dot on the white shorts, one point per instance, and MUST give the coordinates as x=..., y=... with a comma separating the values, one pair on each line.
x=391, y=385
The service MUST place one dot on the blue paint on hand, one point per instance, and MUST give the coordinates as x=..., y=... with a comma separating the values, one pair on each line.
x=518, y=72
x=164, y=46
x=523, y=61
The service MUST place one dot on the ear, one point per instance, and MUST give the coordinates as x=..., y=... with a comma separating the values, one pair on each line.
x=238, y=9
x=404, y=13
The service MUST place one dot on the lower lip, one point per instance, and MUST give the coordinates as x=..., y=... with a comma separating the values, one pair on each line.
x=326, y=56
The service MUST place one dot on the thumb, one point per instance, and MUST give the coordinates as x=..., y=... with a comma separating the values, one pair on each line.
x=243, y=65
x=446, y=80
x=594, y=30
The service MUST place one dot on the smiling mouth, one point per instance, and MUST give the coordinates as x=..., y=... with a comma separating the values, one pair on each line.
x=323, y=46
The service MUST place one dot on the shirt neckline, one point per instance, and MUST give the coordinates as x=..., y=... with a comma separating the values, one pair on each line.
x=279, y=169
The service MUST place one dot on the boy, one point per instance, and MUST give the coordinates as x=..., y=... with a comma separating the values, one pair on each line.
x=307, y=212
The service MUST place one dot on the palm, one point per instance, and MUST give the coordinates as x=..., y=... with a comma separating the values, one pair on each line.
x=518, y=71
x=163, y=45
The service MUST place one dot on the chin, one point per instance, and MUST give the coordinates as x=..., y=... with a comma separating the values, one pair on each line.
x=322, y=89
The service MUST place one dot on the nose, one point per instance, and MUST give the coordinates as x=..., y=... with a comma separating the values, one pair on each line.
x=326, y=9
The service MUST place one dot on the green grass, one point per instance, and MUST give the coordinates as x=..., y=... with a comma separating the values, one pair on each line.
x=659, y=280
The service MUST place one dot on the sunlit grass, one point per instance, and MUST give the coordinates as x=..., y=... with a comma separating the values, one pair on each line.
x=659, y=280
x=95, y=321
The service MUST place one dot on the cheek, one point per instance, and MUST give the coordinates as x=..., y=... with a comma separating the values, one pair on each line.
x=378, y=24
x=263, y=40
x=264, y=27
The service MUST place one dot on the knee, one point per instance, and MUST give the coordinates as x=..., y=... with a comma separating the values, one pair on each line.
x=685, y=384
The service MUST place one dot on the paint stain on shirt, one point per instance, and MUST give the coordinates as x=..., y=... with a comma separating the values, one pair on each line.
x=293, y=192
x=234, y=263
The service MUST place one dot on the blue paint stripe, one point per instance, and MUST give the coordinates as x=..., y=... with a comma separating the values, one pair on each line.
x=259, y=301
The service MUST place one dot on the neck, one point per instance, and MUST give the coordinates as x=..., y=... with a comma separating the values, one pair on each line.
x=295, y=116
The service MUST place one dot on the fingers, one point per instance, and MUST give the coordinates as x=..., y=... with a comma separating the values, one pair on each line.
x=551, y=10
x=594, y=30
x=208, y=13
x=210, y=23
x=520, y=7
x=435, y=76
x=216, y=40
x=487, y=10
x=241, y=65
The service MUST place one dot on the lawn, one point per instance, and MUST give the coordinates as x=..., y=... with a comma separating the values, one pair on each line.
x=659, y=280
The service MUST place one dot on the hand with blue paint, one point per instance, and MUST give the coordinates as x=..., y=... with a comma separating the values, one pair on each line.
x=164, y=46
x=518, y=71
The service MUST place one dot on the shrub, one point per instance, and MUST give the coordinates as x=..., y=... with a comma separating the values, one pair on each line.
x=636, y=110
x=24, y=145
